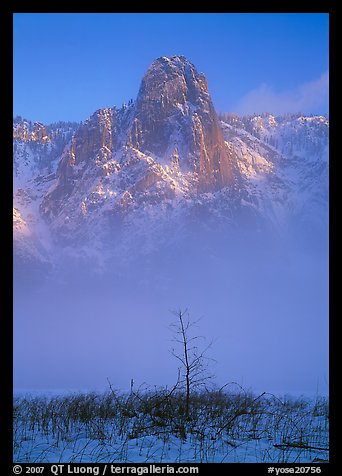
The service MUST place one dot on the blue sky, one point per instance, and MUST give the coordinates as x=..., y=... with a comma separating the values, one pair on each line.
x=66, y=66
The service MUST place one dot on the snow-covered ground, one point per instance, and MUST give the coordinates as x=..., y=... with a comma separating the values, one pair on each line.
x=139, y=428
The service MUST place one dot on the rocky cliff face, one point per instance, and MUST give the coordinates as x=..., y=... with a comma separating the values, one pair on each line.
x=28, y=132
x=175, y=120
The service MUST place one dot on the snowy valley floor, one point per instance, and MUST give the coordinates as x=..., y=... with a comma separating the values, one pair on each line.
x=152, y=426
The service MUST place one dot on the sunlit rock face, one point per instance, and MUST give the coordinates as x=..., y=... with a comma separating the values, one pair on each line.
x=27, y=132
x=175, y=118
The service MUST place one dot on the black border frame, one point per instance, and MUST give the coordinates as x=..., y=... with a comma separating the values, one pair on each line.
x=6, y=45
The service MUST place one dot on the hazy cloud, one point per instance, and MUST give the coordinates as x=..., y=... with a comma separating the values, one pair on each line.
x=311, y=97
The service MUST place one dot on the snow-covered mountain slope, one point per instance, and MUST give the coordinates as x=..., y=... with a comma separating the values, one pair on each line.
x=284, y=163
x=29, y=252
x=36, y=153
x=148, y=175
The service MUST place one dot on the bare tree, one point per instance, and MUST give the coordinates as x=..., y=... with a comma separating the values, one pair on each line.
x=193, y=371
